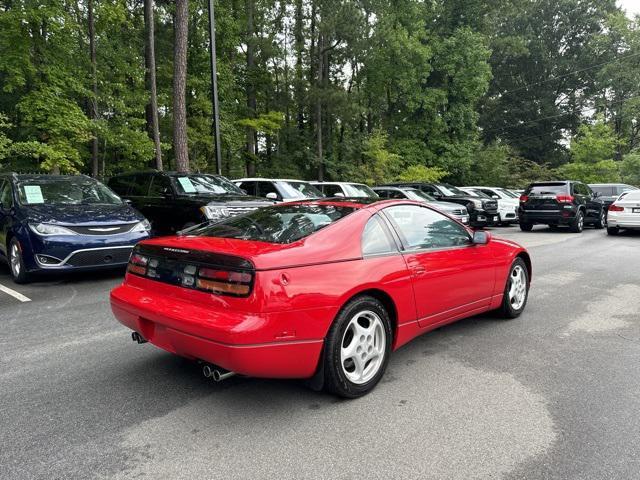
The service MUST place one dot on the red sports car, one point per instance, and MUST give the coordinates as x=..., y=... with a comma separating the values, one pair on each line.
x=322, y=290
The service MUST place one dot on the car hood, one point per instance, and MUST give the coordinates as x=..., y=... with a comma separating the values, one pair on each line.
x=447, y=206
x=82, y=214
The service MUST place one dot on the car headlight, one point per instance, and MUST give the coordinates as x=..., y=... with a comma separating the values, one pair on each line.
x=142, y=227
x=477, y=203
x=49, y=229
x=214, y=213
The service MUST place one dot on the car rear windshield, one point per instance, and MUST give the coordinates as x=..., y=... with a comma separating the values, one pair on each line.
x=547, y=189
x=65, y=191
x=205, y=184
x=278, y=224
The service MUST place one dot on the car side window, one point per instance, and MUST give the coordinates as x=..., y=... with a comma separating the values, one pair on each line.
x=429, y=189
x=6, y=194
x=423, y=228
x=160, y=186
x=332, y=190
x=397, y=194
x=249, y=187
x=375, y=239
x=265, y=188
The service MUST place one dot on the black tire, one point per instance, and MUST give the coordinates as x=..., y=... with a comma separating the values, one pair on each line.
x=508, y=310
x=601, y=222
x=613, y=231
x=17, y=270
x=526, y=227
x=336, y=380
x=577, y=225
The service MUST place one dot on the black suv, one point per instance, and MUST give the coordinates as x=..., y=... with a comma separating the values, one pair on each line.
x=483, y=212
x=561, y=203
x=175, y=201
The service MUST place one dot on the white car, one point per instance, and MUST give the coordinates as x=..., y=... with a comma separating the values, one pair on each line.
x=508, y=202
x=345, y=189
x=624, y=213
x=280, y=190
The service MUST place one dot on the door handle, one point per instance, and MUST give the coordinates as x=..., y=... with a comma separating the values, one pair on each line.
x=418, y=270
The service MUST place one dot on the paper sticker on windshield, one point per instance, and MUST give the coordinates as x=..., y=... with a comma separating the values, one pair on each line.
x=33, y=194
x=186, y=184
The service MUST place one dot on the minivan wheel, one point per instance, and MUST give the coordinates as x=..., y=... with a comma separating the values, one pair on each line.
x=526, y=227
x=16, y=262
x=516, y=291
x=357, y=348
x=578, y=223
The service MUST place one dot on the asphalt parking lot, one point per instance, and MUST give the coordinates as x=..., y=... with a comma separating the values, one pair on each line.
x=553, y=394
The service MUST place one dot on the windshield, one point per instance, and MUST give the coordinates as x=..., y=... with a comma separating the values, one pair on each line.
x=210, y=184
x=450, y=190
x=300, y=190
x=419, y=196
x=356, y=190
x=477, y=193
x=508, y=193
x=547, y=189
x=66, y=191
x=279, y=224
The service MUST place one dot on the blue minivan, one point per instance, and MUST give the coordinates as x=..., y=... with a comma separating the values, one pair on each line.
x=59, y=223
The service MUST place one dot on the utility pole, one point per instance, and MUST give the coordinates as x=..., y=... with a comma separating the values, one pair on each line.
x=214, y=87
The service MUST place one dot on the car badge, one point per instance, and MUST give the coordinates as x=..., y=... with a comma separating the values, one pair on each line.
x=175, y=250
x=105, y=229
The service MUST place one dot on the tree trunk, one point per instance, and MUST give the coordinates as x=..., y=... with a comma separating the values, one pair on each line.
x=150, y=61
x=299, y=46
x=319, y=93
x=181, y=32
x=251, y=90
x=93, y=103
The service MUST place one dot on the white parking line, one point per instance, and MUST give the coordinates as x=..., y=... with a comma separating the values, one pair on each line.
x=14, y=294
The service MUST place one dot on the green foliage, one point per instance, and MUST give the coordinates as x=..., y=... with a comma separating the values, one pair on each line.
x=630, y=168
x=605, y=171
x=467, y=92
x=594, y=143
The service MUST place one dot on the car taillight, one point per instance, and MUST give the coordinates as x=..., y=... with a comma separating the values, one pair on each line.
x=616, y=208
x=224, y=281
x=207, y=279
x=524, y=198
x=564, y=198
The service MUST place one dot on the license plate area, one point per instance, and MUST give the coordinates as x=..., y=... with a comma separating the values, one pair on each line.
x=635, y=210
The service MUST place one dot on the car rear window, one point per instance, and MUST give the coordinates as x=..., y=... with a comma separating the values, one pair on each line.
x=547, y=189
x=278, y=224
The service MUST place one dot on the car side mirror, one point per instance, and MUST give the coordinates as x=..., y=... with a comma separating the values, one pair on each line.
x=272, y=196
x=244, y=191
x=597, y=194
x=340, y=195
x=481, y=237
x=497, y=197
x=126, y=200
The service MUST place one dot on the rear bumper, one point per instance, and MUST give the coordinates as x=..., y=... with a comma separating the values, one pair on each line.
x=623, y=220
x=224, y=338
x=551, y=217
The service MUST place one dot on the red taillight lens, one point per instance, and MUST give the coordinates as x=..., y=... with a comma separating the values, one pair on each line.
x=138, y=264
x=616, y=208
x=524, y=198
x=224, y=281
x=564, y=198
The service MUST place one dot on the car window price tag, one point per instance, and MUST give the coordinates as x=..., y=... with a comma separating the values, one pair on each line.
x=186, y=184
x=33, y=194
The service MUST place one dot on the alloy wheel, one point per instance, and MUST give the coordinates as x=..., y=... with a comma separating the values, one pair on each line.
x=518, y=287
x=15, y=260
x=363, y=347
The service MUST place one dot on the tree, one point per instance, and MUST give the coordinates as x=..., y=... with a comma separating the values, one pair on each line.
x=180, y=140
x=150, y=63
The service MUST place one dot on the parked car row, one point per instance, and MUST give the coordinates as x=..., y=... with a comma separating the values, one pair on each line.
x=52, y=223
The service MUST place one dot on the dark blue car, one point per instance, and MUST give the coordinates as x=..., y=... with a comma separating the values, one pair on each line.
x=56, y=223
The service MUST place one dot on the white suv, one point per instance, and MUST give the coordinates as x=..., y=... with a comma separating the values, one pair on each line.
x=508, y=202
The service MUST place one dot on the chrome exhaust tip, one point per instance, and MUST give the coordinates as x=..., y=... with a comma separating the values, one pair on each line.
x=217, y=374
x=136, y=337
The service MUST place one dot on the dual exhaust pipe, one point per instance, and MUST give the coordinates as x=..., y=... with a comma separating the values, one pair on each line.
x=209, y=371
x=216, y=373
